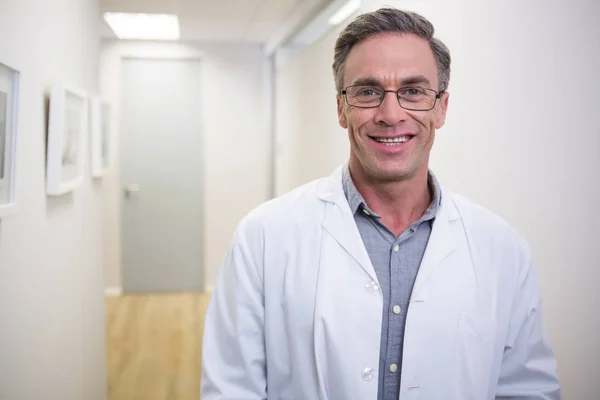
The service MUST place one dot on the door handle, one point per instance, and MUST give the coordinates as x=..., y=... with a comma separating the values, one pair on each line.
x=131, y=190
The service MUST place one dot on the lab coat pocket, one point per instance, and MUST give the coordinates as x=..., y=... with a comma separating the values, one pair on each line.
x=476, y=353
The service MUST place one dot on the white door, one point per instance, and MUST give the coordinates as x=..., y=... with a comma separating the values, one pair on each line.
x=161, y=173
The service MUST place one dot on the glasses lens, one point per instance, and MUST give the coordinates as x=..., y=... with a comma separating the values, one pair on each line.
x=364, y=96
x=416, y=98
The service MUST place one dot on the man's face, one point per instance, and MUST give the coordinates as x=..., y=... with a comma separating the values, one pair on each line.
x=391, y=61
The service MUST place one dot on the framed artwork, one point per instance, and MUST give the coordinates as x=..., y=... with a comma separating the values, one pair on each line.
x=67, y=132
x=100, y=135
x=9, y=94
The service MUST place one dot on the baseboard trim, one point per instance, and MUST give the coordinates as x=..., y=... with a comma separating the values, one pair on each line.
x=113, y=291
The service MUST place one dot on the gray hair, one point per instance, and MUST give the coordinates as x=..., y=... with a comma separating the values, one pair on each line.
x=389, y=20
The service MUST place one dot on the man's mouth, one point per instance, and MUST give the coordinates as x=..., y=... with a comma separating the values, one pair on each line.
x=392, y=141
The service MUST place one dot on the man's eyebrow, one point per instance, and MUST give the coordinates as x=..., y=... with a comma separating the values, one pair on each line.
x=366, y=81
x=416, y=79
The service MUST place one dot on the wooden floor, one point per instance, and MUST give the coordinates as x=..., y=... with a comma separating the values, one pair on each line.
x=154, y=346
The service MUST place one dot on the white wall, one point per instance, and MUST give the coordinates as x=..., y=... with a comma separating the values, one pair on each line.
x=522, y=137
x=236, y=140
x=52, y=343
x=310, y=143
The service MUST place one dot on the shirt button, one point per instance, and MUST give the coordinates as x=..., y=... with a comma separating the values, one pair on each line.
x=367, y=374
x=393, y=368
x=366, y=212
x=397, y=309
x=396, y=248
x=372, y=287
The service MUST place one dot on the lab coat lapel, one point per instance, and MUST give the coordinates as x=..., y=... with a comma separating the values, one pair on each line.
x=339, y=221
x=442, y=241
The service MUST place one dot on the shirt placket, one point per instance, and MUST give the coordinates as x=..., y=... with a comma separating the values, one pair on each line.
x=398, y=273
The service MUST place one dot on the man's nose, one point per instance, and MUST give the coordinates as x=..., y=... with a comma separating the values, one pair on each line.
x=389, y=111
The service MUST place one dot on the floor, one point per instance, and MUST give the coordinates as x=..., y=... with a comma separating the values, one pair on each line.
x=154, y=346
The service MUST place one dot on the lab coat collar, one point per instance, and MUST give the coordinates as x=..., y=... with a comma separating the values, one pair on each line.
x=339, y=223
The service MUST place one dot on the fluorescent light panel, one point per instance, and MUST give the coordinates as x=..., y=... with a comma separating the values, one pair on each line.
x=144, y=26
x=344, y=12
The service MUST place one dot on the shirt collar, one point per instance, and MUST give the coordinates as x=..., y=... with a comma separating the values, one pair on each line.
x=357, y=202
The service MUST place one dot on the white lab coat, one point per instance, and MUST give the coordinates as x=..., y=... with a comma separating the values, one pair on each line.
x=297, y=310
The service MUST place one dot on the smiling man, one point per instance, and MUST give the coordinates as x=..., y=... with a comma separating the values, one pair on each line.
x=376, y=282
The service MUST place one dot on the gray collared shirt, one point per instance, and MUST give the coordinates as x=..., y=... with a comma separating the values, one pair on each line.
x=396, y=261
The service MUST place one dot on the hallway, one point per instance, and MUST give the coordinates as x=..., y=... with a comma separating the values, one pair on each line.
x=154, y=346
x=98, y=191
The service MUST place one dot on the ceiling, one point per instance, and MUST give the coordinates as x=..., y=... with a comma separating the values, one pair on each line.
x=220, y=20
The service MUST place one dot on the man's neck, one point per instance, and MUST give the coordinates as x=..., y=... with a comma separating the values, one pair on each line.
x=399, y=203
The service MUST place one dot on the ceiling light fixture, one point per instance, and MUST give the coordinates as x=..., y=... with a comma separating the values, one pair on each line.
x=143, y=26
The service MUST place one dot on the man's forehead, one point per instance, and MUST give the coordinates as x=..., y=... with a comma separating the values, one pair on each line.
x=391, y=57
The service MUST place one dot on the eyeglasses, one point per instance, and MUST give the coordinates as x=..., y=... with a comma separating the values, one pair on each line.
x=410, y=98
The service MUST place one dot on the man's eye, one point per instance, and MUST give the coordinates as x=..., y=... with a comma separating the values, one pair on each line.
x=368, y=92
x=412, y=92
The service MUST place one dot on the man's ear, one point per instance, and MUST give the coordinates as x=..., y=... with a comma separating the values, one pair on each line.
x=341, y=113
x=441, y=117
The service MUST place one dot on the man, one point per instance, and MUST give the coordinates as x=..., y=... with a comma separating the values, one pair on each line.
x=377, y=283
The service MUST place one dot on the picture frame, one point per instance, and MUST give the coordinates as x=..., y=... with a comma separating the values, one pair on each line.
x=9, y=104
x=67, y=133
x=100, y=136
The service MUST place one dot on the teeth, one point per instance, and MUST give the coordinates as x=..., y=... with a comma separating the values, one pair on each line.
x=401, y=139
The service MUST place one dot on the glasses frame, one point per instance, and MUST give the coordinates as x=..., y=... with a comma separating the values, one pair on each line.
x=438, y=95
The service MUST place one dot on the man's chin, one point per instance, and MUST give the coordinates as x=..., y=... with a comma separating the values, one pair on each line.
x=391, y=174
